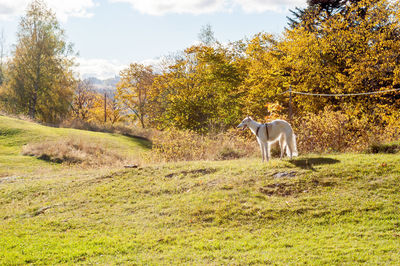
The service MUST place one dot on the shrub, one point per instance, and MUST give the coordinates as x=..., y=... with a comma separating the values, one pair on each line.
x=227, y=153
x=337, y=131
x=383, y=148
x=320, y=133
x=176, y=145
x=327, y=131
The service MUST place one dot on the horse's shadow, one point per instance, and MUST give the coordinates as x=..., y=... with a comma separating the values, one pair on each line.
x=309, y=163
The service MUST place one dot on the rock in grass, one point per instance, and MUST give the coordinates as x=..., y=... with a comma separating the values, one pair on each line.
x=131, y=166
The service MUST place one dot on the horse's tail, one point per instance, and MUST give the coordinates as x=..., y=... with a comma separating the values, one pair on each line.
x=291, y=144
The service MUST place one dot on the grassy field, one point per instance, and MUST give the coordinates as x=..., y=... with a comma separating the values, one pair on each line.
x=316, y=209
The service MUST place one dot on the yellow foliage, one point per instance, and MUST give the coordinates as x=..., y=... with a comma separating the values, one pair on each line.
x=179, y=145
x=133, y=91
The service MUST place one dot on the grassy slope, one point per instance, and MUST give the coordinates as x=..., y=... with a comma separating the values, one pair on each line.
x=331, y=209
x=15, y=133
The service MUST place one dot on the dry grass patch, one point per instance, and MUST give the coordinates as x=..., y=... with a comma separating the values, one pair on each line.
x=75, y=151
x=119, y=128
x=176, y=145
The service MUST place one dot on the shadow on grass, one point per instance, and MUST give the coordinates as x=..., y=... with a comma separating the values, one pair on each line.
x=309, y=163
x=10, y=132
x=142, y=141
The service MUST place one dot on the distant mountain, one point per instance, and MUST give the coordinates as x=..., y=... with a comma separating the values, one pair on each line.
x=107, y=85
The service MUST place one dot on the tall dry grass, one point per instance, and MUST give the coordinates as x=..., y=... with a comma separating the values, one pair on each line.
x=75, y=151
x=328, y=131
x=336, y=131
x=119, y=128
x=176, y=145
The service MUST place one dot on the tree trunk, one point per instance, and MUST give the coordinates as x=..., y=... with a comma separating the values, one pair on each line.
x=32, y=105
x=141, y=118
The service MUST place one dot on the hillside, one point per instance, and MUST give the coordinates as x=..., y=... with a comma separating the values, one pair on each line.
x=15, y=133
x=318, y=209
x=108, y=85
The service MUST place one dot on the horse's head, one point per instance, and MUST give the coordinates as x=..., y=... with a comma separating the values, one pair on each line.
x=245, y=123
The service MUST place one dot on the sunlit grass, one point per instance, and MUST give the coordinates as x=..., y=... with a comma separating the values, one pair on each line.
x=15, y=133
x=331, y=209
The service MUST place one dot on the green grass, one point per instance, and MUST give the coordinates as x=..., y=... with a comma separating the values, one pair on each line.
x=15, y=133
x=331, y=209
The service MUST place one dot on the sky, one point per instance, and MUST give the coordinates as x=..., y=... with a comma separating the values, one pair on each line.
x=108, y=35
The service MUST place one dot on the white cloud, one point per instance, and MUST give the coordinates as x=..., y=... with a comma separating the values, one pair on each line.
x=162, y=7
x=72, y=8
x=259, y=6
x=159, y=64
x=11, y=8
x=99, y=68
x=64, y=9
x=155, y=63
x=105, y=69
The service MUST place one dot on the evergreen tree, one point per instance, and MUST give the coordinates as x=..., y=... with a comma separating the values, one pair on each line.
x=317, y=11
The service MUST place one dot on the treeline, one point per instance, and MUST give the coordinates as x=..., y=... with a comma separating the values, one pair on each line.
x=331, y=47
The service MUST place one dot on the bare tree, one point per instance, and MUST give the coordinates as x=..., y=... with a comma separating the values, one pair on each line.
x=206, y=35
x=83, y=101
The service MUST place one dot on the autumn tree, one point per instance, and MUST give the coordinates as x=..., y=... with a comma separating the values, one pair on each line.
x=265, y=76
x=316, y=12
x=83, y=100
x=113, y=110
x=40, y=74
x=353, y=51
x=99, y=111
x=339, y=47
x=200, y=90
x=133, y=91
x=106, y=109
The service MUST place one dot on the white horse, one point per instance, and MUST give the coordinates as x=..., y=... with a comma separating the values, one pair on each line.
x=269, y=133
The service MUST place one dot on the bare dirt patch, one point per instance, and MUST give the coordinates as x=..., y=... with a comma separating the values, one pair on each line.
x=286, y=189
x=193, y=173
x=8, y=179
